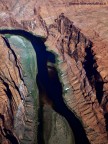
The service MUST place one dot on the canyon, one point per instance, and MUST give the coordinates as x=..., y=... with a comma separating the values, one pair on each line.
x=53, y=72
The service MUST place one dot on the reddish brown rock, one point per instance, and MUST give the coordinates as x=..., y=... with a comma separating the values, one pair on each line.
x=10, y=98
x=71, y=44
x=84, y=99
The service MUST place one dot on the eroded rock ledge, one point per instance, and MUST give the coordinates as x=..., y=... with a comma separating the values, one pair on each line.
x=83, y=84
x=16, y=103
x=13, y=91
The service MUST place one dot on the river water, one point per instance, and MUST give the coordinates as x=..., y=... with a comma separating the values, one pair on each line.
x=52, y=86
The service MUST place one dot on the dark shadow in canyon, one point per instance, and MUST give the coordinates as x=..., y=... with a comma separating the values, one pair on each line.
x=9, y=95
x=93, y=75
x=52, y=87
x=10, y=136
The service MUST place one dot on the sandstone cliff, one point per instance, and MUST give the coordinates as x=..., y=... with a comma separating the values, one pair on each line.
x=78, y=37
x=17, y=106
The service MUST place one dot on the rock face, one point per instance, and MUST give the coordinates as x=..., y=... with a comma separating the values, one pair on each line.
x=56, y=128
x=16, y=102
x=79, y=38
x=13, y=92
x=82, y=82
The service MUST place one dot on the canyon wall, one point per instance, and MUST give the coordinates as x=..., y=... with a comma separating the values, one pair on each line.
x=17, y=89
x=83, y=84
x=77, y=35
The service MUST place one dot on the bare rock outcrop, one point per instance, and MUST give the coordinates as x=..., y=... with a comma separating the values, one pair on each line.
x=82, y=82
x=81, y=47
x=13, y=92
x=15, y=101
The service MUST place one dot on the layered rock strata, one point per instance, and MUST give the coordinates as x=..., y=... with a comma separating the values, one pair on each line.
x=85, y=83
x=82, y=82
x=17, y=106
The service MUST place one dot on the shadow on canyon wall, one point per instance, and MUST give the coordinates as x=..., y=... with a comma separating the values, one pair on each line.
x=93, y=75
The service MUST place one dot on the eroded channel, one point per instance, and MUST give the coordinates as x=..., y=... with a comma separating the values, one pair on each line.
x=48, y=82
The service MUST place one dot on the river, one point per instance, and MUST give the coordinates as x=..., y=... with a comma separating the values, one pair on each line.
x=53, y=87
